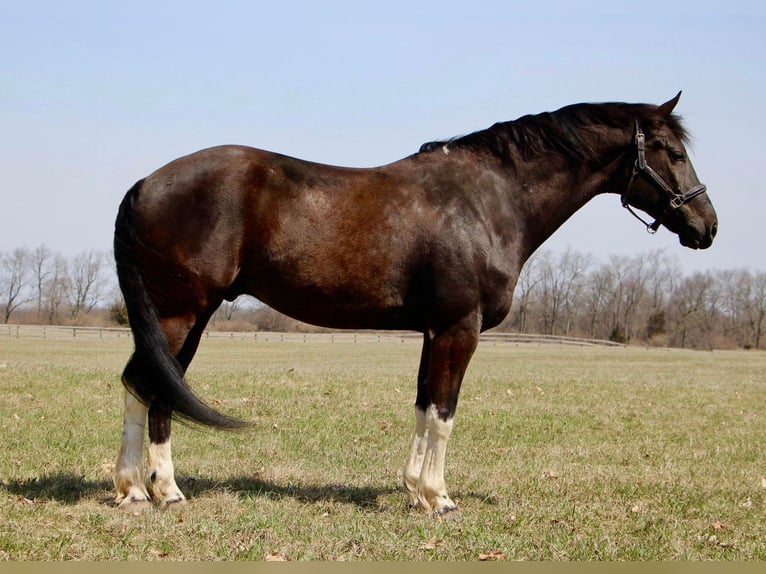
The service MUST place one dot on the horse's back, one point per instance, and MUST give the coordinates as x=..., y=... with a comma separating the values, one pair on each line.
x=387, y=247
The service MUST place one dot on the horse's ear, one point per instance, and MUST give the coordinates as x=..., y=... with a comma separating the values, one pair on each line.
x=667, y=108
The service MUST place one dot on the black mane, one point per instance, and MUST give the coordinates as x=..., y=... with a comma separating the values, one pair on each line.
x=558, y=132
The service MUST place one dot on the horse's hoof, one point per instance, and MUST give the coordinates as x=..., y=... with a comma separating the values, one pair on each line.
x=446, y=513
x=134, y=505
x=174, y=505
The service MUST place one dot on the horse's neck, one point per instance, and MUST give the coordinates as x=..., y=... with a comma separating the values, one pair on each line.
x=548, y=193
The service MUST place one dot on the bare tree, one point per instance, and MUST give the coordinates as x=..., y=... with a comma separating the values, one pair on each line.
x=528, y=280
x=268, y=319
x=735, y=293
x=695, y=305
x=85, y=285
x=625, y=280
x=41, y=266
x=661, y=271
x=634, y=293
x=229, y=308
x=711, y=312
x=559, y=287
x=753, y=307
x=56, y=288
x=14, y=274
x=573, y=301
x=618, y=270
x=661, y=275
x=595, y=301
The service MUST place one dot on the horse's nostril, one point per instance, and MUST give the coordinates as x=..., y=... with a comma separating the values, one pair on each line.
x=714, y=229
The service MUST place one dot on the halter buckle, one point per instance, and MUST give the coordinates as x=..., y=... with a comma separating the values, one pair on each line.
x=676, y=201
x=640, y=146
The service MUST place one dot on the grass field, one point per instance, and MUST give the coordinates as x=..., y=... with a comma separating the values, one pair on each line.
x=558, y=453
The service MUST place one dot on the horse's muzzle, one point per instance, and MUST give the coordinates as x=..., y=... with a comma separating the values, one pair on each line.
x=699, y=236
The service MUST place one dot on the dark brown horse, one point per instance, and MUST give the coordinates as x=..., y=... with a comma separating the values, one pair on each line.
x=432, y=243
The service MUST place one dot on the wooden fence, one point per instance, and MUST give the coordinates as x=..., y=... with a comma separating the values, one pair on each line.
x=60, y=332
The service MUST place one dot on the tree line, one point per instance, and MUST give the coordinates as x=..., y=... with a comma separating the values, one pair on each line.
x=643, y=298
x=42, y=286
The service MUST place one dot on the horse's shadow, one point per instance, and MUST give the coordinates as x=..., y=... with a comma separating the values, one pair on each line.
x=68, y=488
x=253, y=487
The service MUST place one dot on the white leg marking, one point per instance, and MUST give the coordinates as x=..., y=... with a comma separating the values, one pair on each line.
x=129, y=471
x=414, y=463
x=431, y=488
x=161, y=475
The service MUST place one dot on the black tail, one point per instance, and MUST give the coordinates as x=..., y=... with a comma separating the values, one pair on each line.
x=153, y=375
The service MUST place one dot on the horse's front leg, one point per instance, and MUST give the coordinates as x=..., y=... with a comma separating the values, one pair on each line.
x=161, y=477
x=449, y=353
x=431, y=489
x=128, y=474
x=414, y=463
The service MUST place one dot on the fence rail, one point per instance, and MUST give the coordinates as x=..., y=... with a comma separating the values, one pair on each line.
x=61, y=332
x=58, y=332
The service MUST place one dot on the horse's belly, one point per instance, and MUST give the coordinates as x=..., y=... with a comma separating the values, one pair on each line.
x=340, y=310
x=330, y=294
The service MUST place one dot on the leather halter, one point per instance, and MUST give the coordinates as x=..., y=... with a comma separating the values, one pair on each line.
x=676, y=199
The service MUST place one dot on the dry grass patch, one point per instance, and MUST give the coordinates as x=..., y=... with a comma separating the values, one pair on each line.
x=558, y=453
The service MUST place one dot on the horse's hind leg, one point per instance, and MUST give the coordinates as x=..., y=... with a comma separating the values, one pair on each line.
x=130, y=479
x=128, y=474
x=134, y=488
x=161, y=475
x=183, y=337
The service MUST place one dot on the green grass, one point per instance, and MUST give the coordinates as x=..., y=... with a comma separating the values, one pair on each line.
x=558, y=454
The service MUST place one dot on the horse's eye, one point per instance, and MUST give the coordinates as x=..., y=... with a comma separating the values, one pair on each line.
x=677, y=155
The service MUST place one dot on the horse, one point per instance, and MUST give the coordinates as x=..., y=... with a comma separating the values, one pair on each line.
x=431, y=243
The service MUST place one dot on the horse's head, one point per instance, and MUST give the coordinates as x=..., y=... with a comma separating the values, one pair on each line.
x=663, y=182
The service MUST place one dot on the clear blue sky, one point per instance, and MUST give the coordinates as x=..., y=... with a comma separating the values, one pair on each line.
x=95, y=95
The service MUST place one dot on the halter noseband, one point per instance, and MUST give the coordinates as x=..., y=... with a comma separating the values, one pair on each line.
x=676, y=199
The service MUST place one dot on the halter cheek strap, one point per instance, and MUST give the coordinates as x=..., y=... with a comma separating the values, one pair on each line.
x=641, y=167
